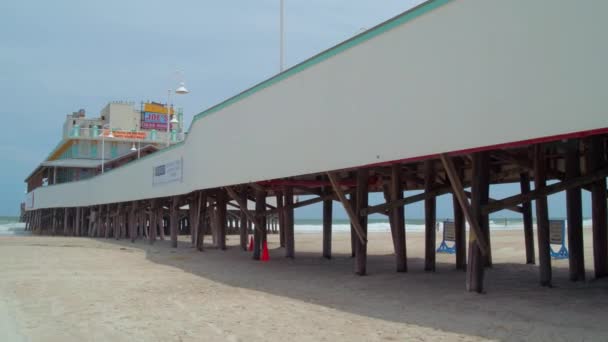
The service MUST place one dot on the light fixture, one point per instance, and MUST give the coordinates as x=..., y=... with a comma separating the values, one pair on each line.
x=174, y=120
x=133, y=148
x=110, y=135
x=181, y=89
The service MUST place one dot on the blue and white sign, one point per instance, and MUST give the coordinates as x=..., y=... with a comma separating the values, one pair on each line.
x=168, y=173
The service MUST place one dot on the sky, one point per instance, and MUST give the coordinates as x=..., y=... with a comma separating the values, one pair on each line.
x=59, y=56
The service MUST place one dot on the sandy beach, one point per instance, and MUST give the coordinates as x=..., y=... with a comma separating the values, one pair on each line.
x=81, y=289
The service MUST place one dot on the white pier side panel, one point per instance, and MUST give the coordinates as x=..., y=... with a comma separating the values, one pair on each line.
x=447, y=76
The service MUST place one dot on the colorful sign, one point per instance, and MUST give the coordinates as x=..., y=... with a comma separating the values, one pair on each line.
x=125, y=134
x=129, y=135
x=167, y=173
x=156, y=108
x=150, y=120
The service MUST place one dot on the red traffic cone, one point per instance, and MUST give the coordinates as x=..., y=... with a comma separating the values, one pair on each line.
x=250, y=244
x=265, y=256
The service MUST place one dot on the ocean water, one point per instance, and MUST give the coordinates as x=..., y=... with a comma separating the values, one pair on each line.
x=411, y=225
x=10, y=225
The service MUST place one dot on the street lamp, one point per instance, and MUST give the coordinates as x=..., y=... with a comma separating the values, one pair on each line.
x=181, y=90
x=133, y=148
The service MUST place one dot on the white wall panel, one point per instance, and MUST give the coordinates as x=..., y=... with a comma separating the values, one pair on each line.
x=467, y=74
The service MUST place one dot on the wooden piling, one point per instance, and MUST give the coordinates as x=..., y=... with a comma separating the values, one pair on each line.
x=173, y=220
x=327, y=224
x=54, y=221
x=260, y=209
x=353, y=234
x=289, y=223
x=574, y=213
x=460, y=243
x=281, y=214
x=153, y=221
x=65, y=222
x=222, y=201
x=480, y=186
x=362, y=203
x=542, y=216
x=430, y=221
x=524, y=183
x=397, y=220
x=243, y=218
x=202, y=204
x=596, y=160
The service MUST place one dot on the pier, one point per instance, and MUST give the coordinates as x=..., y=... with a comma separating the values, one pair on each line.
x=420, y=102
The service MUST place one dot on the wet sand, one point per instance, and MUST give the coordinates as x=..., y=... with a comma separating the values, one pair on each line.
x=81, y=289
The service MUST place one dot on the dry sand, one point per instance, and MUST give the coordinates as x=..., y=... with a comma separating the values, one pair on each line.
x=81, y=289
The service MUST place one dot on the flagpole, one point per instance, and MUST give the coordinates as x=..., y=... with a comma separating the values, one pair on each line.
x=282, y=38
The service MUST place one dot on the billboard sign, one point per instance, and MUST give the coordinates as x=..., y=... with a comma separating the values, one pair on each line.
x=154, y=116
x=157, y=121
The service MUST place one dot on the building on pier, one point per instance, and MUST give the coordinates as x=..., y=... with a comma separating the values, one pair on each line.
x=86, y=142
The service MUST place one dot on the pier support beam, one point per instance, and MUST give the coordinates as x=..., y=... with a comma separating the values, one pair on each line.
x=153, y=221
x=289, y=223
x=524, y=183
x=459, y=226
x=327, y=224
x=54, y=223
x=429, y=217
x=201, y=221
x=353, y=234
x=260, y=209
x=574, y=212
x=281, y=215
x=65, y=222
x=173, y=220
x=222, y=201
x=397, y=219
x=480, y=189
x=243, y=218
x=596, y=160
x=362, y=203
x=542, y=216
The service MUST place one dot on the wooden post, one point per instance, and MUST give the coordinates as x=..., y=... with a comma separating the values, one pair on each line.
x=201, y=220
x=281, y=214
x=221, y=218
x=429, y=217
x=77, y=222
x=132, y=221
x=362, y=202
x=574, y=212
x=353, y=233
x=289, y=223
x=542, y=216
x=173, y=220
x=479, y=196
x=243, y=217
x=397, y=220
x=596, y=160
x=327, y=224
x=524, y=182
x=54, y=223
x=65, y=222
x=193, y=212
x=260, y=208
x=459, y=227
x=161, y=221
x=153, y=219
